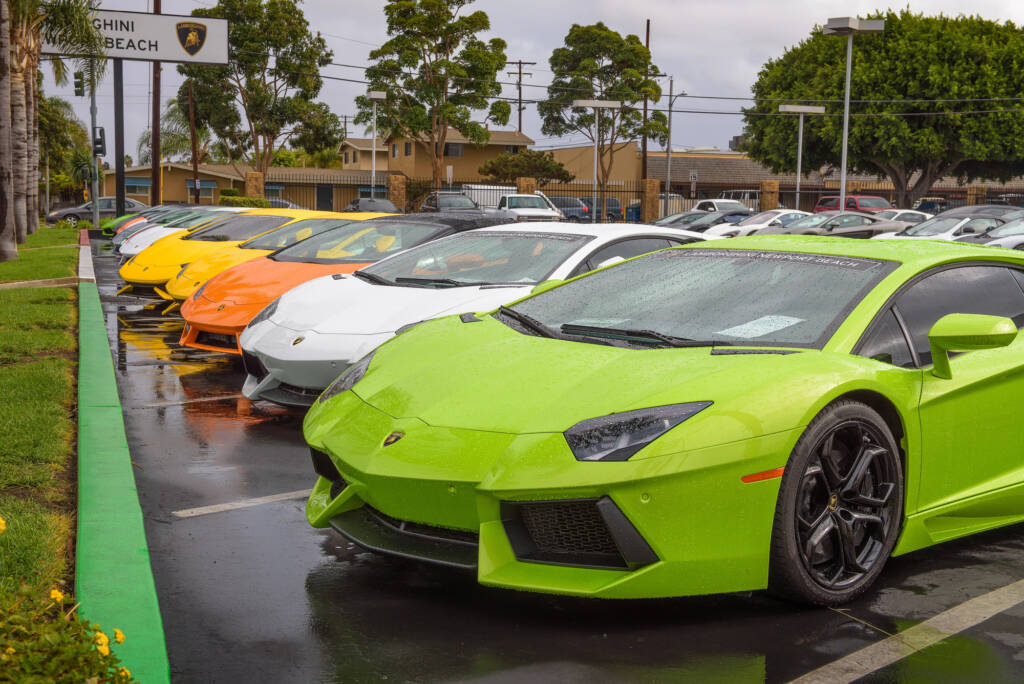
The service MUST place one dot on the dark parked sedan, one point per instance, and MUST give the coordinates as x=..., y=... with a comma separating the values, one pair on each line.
x=83, y=212
x=851, y=224
x=573, y=208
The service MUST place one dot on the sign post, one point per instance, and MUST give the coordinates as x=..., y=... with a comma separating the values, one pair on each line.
x=155, y=38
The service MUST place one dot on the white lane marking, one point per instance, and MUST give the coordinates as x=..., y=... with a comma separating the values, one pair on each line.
x=222, y=397
x=244, y=503
x=892, y=649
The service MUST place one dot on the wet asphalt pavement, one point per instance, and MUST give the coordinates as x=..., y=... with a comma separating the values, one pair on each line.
x=255, y=594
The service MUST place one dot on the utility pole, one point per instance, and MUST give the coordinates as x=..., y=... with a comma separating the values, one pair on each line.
x=344, y=124
x=92, y=148
x=643, y=138
x=195, y=144
x=154, y=146
x=519, y=85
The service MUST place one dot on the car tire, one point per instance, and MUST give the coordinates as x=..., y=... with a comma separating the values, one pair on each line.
x=72, y=219
x=840, y=507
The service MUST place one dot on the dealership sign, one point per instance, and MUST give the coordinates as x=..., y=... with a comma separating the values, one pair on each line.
x=160, y=37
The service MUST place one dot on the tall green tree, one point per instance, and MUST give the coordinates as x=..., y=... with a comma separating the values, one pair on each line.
x=508, y=166
x=8, y=234
x=66, y=24
x=265, y=95
x=436, y=73
x=598, y=63
x=917, y=77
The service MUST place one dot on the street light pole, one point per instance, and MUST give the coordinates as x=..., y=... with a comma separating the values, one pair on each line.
x=848, y=26
x=597, y=105
x=375, y=97
x=801, y=110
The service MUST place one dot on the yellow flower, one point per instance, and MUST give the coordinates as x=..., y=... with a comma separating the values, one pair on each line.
x=102, y=643
x=125, y=672
x=57, y=595
x=10, y=651
x=3, y=525
x=118, y=636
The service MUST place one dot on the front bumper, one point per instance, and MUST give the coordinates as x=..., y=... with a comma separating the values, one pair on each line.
x=292, y=368
x=147, y=274
x=674, y=525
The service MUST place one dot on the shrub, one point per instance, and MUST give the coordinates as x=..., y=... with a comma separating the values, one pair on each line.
x=64, y=224
x=252, y=202
x=85, y=225
x=229, y=192
x=42, y=638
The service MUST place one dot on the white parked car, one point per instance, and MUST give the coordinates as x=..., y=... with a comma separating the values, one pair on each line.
x=749, y=226
x=944, y=227
x=147, y=236
x=529, y=208
x=1009, y=235
x=307, y=337
x=904, y=215
x=719, y=205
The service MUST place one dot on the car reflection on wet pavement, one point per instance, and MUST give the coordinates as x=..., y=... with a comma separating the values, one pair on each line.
x=254, y=593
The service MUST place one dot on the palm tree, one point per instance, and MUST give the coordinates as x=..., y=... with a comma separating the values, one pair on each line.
x=66, y=24
x=175, y=136
x=8, y=243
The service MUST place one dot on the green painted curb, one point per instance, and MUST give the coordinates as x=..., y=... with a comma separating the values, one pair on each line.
x=113, y=579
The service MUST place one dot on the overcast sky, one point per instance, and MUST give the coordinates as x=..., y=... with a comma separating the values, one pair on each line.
x=712, y=48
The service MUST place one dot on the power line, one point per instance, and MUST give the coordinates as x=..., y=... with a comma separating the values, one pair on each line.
x=519, y=85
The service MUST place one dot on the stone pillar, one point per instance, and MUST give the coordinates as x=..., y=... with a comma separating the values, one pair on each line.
x=769, y=195
x=254, y=184
x=976, y=194
x=526, y=186
x=396, y=190
x=649, y=204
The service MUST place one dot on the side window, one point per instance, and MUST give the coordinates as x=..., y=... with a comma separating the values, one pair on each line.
x=911, y=218
x=627, y=249
x=705, y=206
x=887, y=343
x=501, y=203
x=851, y=203
x=978, y=225
x=991, y=290
x=106, y=204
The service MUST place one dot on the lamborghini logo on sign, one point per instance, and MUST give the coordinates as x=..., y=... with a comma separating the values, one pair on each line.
x=392, y=438
x=192, y=36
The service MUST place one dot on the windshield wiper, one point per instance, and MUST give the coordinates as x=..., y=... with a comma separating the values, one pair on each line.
x=640, y=335
x=443, y=282
x=372, y=278
x=528, y=321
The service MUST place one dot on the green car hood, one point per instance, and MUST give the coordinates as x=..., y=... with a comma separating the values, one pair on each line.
x=486, y=376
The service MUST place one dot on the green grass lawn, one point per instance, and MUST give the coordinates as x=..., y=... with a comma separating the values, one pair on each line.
x=34, y=263
x=48, y=237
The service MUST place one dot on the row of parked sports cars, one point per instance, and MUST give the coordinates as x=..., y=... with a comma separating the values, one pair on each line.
x=708, y=415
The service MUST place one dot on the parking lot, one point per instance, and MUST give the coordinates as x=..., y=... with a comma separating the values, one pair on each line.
x=248, y=590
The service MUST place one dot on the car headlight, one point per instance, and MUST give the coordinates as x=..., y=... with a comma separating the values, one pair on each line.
x=616, y=437
x=731, y=233
x=264, y=315
x=349, y=378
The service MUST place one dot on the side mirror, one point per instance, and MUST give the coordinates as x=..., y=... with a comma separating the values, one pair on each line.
x=967, y=332
x=775, y=222
x=610, y=260
x=545, y=285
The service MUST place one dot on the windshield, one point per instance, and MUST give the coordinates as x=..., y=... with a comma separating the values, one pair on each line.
x=890, y=214
x=873, y=202
x=934, y=226
x=291, y=233
x=709, y=218
x=199, y=219
x=526, y=203
x=1014, y=227
x=730, y=204
x=455, y=202
x=811, y=221
x=763, y=217
x=239, y=227
x=705, y=295
x=682, y=217
x=482, y=257
x=357, y=242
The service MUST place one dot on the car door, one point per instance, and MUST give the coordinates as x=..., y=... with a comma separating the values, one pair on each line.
x=850, y=226
x=971, y=427
x=626, y=249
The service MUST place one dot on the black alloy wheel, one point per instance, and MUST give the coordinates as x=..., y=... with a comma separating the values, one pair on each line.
x=840, y=507
x=72, y=219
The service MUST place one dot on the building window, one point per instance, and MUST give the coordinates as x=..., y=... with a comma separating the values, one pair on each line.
x=137, y=186
x=346, y=156
x=453, y=149
x=512, y=149
x=394, y=150
x=206, y=189
x=355, y=156
x=408, y=149
x=272, y=190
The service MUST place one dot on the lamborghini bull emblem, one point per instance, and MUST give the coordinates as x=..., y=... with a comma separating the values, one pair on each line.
x=192, y=36
x=392, y=438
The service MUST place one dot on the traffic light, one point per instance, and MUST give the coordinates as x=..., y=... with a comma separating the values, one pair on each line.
x=79, y=84
x=99, y=142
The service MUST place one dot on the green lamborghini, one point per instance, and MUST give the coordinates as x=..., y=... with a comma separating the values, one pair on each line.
x=778, y=412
